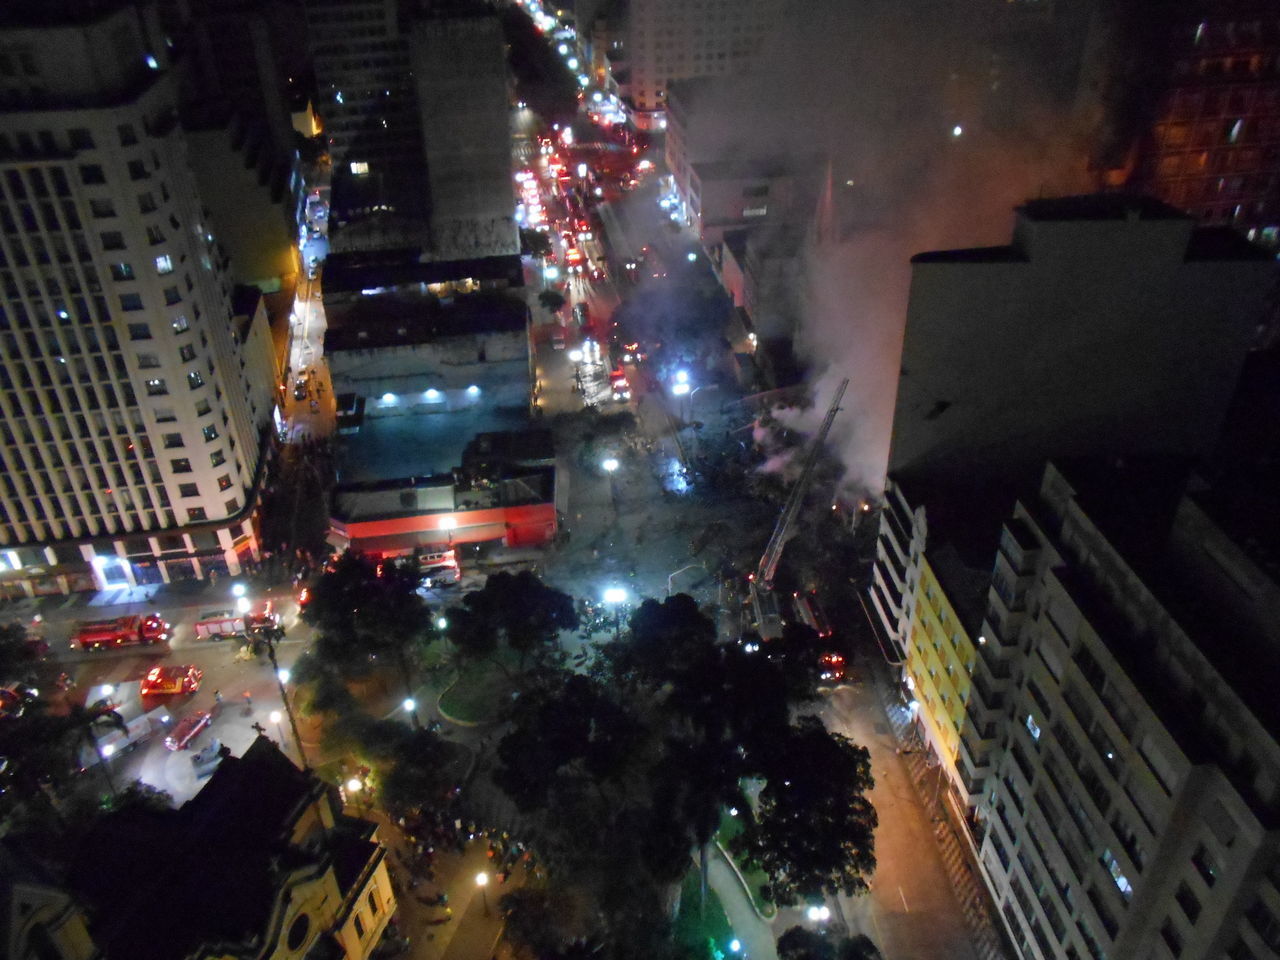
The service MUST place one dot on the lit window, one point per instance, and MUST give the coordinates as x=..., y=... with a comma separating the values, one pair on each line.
x=194, y=380
x=1033, y=727
x=156, y=388
x=1113, y=867
x=359, y=168
x=211, y=432
x=164, y=264
x=180, y=324
x=152, y=62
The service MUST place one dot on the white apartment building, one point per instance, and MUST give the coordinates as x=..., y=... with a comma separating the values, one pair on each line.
x=134, y=415
x=1120, y=741
x=677, y=39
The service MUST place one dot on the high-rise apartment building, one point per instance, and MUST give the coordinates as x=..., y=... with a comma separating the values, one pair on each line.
x=1120, y=741
x=1214, y=147
x=677, y=39
x=460, y=69
x=134, y=415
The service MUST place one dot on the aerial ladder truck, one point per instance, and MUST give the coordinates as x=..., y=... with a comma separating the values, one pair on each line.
x=764, y=602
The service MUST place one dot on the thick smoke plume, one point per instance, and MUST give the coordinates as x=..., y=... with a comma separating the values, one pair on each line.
x=938, y=118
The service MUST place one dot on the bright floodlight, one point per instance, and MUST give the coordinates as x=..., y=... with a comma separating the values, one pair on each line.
x=582, y=169
x=472, y=390
x=597, y=96
x=284, y=674
x=613, y=595
x=482, y=879
x=354, y=785
x=563, y=48
x=238, y=590
x=108, y=689
x=609, y=464
x=108, y=749
x=957, y=130
x=682, y=376
x=274, y=716
x=388, y=398
x=692, y=256
x=573, y=63
x=449, y=523
x=575, y=356
x=551, y=272
x=680, y=389
x=442, y=623
x=242, y=605
x=735, y=945
x=410, y=704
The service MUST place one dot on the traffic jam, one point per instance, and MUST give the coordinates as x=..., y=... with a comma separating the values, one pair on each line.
x=559, y=199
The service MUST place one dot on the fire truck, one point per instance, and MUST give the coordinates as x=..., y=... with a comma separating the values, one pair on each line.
x=120, y=632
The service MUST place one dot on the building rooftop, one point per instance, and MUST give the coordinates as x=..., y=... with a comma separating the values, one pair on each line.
x=223, y=855
x=973, y=255
x=418, y=444
x=354, y=271
x=1099, y=206
x=390, y=320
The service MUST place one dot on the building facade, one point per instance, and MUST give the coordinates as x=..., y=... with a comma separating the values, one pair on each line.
x=1076, y=338
x=1214, y=146
x=134, y=417
x=1120, y=742
x=668, y=40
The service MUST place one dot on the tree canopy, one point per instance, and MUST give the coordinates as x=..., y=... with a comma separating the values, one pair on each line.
x=628, y=766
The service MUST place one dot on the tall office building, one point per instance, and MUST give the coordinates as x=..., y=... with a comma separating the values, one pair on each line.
x=1120, y=739
x=677, y=39
x=134, y=414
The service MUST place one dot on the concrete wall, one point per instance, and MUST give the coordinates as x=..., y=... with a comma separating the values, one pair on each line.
x=1104, y=339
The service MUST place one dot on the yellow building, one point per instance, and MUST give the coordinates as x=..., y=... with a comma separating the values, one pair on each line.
x=260, y=865
x=939, y=665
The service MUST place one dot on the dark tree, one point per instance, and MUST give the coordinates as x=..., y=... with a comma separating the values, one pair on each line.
x=534, y=243
x=553, y=300
x=813, y=831
x=801, y=943
x=417, y=776
x=518, y=609
x=367, y=612
x=17, y=654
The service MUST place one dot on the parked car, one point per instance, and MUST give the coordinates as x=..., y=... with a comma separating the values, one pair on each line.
x=187, y=729
x=300, y=389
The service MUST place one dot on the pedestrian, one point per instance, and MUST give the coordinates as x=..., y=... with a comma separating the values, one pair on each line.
x=248, y=699
x=217, y=697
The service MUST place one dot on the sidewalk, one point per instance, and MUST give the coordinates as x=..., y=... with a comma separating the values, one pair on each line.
x=970, y=892
x=756, y=935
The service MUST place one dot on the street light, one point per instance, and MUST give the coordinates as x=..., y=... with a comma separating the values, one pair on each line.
x=238, y=590
x=615, y=597
x=282, y=677
x=275, y=717
x=609, y=464
x=482, y=881
x=819, y=913
x=411, y=708
x=353, y=785
x=442, y=623
x=680, y=388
